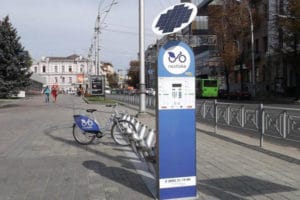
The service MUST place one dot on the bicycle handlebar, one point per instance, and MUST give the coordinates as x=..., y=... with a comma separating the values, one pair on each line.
x=107, y=105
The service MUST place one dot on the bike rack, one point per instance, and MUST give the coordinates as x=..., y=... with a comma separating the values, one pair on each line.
x=143, y=142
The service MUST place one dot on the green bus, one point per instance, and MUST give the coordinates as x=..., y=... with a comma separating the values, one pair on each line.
x=207, y=88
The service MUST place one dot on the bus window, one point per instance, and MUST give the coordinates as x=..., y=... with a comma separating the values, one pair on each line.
x=210, y=83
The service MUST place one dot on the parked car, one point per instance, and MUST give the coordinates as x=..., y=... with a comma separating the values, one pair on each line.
x=240, y=95
x=134, y=92
x=107, y=90
x=150, y=91
x=71, y=92
x=234, y=95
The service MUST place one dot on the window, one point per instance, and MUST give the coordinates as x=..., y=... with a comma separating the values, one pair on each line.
x=55, y=79
x=202, y=22
x=256, y=46
x=265, y=43
x=249, y=45
x=246, y=76
x=264, y=73
x=55, y=69
x=236, y=76
x=70, y=79
x=63, y=79
x=70, y=68
x=44, y=69
x=210, y=83
x=266, y=11
x=257, y=72
x=62, y=69
x=35, y=69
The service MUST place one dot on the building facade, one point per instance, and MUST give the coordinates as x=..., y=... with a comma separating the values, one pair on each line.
x=70, y=72
x=273, y=74
x=67, y=72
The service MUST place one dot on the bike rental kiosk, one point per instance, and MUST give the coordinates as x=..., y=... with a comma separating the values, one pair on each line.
x=176, y=122
x=176, y=130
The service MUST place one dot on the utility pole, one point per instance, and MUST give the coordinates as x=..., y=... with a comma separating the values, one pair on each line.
x=252, y=51
x=142, y=106
x=97, y=32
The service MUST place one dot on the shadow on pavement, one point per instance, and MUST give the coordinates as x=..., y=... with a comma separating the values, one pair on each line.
x=253, y=147
x=119, y=159
x=119, y=175
x=10, y=105
x=239, y=187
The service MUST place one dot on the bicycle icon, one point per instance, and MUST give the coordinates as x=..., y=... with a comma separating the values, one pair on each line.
x=173, y=58
x=87, y=123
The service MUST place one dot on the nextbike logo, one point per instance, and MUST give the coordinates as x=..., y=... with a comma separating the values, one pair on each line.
x=87, y=123
x=176, y=60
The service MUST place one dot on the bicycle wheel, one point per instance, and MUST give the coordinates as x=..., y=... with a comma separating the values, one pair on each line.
x=119, y=132
x=82, y=137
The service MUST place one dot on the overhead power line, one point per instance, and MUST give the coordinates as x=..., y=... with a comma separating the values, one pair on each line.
x=135, y=33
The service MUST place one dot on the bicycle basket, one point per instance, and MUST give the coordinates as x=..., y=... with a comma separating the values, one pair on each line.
x=86, y=124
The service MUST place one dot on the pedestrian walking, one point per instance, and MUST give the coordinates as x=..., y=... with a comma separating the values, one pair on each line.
x=80, y=91
x=54, y=92
x=46, y=91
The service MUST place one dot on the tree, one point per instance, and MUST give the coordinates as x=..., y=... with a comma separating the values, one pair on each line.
x=112, y=80
x=230, y=22
x=133, y=74
x=14, y=61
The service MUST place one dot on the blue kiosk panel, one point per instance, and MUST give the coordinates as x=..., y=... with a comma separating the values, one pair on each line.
x=176, y=122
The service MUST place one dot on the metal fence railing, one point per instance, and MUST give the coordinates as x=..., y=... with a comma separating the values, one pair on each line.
x=281, y=122
x=134, y=99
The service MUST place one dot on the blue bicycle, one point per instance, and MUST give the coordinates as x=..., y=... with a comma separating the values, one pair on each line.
x=87, y=129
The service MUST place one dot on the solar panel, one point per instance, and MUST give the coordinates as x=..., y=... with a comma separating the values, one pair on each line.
x=174, y=18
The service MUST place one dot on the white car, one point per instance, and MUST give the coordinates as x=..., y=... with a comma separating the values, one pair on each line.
x=71, y=92
x=150, y=91
x=107, y=90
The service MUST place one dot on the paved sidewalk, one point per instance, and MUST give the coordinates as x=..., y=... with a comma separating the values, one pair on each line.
x=39, y=159
x=231, y=165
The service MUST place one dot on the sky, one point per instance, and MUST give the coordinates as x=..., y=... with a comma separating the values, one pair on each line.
x=65, y=27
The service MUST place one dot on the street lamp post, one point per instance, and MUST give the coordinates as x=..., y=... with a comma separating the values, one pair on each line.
x=142, y=106
x=97, y=30
x=252, y=52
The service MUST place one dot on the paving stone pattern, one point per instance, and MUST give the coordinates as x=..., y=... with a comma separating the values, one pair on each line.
x=39, y=159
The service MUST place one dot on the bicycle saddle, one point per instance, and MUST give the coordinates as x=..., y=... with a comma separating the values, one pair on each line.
x=91, y=110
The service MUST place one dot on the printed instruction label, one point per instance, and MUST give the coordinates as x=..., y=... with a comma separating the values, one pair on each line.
x=176, y=93
x=177, y=182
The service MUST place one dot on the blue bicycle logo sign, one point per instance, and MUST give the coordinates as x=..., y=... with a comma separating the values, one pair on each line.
x=87, y=123
x=173, y=58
